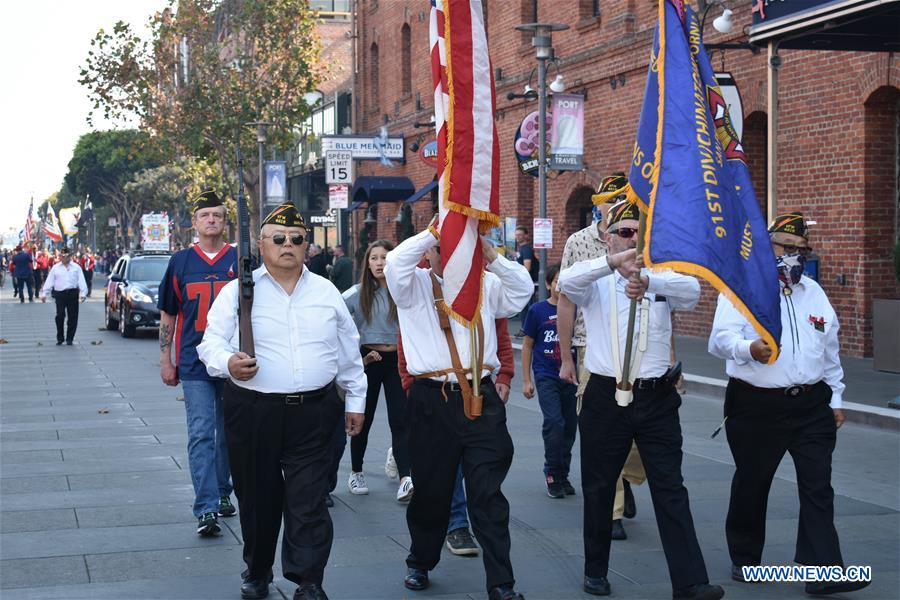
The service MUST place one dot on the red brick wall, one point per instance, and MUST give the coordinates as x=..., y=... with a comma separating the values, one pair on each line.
x=835, y=159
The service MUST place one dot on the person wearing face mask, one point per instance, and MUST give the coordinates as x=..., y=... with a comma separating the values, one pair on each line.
x=375, y=314
x=603, y=288
x=792, y=405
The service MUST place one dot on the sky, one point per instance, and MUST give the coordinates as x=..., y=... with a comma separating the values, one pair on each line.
x=43, y=44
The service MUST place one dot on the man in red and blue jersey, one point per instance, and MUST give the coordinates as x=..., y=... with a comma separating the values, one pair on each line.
x=194, y=278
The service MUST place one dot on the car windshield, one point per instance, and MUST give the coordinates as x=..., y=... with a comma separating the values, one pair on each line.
x=148, y=269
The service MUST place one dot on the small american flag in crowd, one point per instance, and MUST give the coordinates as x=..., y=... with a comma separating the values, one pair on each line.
x=468, y=148
x=29, y=233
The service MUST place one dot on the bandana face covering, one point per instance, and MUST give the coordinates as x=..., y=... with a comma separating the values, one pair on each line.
x=790, y=268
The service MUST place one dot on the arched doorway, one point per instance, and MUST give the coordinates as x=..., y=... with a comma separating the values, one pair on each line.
x=578, y=210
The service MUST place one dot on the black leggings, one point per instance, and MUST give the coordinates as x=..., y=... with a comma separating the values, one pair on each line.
x=384, y=373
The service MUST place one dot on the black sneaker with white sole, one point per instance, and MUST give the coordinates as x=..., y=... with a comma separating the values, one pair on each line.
x=226, y=508
x=460, y=542
x=208, y=525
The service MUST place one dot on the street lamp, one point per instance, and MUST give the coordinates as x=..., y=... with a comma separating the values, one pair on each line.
x=543, y=48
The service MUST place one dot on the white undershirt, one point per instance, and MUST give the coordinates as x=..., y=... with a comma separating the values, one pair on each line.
x=210, y=255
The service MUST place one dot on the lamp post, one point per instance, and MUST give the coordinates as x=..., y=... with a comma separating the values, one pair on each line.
x=542, y=43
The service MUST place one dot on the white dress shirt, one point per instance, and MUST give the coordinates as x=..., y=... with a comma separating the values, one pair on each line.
x=506, y=288
x=62, y=277
x=585, y=284
x=809, y=354
x=303, y=341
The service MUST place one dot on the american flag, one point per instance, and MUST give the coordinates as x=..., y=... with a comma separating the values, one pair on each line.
x=29, y=234
x=468, y=149
x=51, y=225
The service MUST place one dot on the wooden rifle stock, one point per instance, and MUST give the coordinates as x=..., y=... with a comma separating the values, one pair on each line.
x=245, y=266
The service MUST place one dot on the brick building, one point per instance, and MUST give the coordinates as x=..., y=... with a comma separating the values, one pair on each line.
x=838, y=132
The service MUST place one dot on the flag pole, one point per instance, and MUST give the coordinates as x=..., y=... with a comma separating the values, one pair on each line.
x=625, y=384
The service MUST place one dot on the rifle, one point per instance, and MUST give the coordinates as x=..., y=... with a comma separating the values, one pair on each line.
x=245, y=266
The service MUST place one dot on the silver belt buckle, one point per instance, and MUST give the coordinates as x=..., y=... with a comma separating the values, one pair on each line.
x=793, y=391
x=293, y=399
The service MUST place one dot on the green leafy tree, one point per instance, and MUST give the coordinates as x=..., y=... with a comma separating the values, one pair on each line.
x=206, y=71
x=104, y=162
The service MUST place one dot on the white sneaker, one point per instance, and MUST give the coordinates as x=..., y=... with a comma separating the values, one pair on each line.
x=357, y=484
x=390, y=465
x=405, y=491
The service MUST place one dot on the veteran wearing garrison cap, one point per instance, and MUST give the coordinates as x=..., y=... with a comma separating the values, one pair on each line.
x=793, y=405
x=282, y=406
x=603, y=288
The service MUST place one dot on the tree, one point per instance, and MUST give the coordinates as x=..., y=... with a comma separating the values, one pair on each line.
x=104, y=162
x=206, y=72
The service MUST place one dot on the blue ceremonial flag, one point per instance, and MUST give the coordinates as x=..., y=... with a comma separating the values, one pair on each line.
x=689, y=173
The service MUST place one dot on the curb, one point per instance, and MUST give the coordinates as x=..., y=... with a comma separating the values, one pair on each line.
x=854, y=412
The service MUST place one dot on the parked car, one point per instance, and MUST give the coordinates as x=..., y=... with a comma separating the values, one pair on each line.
x=132, y=291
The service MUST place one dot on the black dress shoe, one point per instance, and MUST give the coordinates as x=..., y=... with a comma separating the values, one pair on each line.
x=701, y=591
x=329, y=501
x=630, y=507
x=598, y=586
x=59, y=343
x=252, y=588
x=618, y=530
x=310, y=591
x=825, y=588
x=504, y=592
x=68, y=342
x=416, y=579
x=737, y=574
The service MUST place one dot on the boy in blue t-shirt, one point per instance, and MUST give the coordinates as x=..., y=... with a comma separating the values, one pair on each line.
x=556, y=396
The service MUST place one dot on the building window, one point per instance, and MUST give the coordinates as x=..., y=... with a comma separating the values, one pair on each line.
x=595, y=8
x=406, y=58
x=373, y=76
x=333, y=10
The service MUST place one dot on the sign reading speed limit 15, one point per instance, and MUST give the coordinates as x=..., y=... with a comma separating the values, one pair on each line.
x=338, y=167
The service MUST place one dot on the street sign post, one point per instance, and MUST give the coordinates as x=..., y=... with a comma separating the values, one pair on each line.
x=338, y=167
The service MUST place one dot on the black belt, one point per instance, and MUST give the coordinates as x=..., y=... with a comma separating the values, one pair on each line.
x=296, y=398
x=452, y=386
x=791, y=391
x=647, y=383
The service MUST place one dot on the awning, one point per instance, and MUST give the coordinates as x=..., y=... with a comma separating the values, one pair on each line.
x=423, y=191
x=856, y=25
x=373, y=188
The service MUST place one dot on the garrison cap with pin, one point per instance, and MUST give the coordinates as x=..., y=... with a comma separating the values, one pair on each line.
x=286, y=215
x=792, y=223
x=207, y=199
x=622, y=211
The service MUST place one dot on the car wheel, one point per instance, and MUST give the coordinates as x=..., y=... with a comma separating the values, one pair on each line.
x=111, y=323
x=125, y=329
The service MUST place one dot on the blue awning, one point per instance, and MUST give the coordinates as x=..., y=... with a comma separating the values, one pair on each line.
x=423, y=191
x=373, y=188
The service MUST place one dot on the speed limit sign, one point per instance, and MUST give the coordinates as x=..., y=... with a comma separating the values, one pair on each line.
x=338, y=167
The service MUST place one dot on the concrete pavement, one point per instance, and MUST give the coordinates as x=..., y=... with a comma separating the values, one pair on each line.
x=95, y=495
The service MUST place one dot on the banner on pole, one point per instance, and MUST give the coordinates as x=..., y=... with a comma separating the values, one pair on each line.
x=275, y=182
x=68, y=217
x=567, y=133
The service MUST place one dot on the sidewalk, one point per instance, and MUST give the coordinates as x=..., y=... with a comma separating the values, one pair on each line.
x=95, y=496
x=865, y=399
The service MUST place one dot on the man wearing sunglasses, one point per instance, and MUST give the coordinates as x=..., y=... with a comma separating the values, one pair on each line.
x=192, y=280
x=603, y=288
x=792, y=405
x=282, y=405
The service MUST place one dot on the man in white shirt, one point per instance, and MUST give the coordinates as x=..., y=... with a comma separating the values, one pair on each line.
x=603, y=288
x=66, y=284
x=441, y=435
x=793, y=405
x=282, y=406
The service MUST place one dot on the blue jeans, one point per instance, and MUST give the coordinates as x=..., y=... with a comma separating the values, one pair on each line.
x=557, y=400
x=458, y=516
x=207, y=452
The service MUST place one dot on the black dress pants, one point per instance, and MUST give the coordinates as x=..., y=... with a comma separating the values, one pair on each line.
x=279, y=457
x=761, y=427
x=607, y=431
x=66, y=313
x=440, y=438
x=384, y=373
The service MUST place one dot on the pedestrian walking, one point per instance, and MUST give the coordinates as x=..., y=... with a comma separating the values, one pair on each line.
x=441, y=436
x=526, y=257
x=603, y=288
x=88, y=261
x=587, y=244
x=23, y=266
x=556, y=396
x=282, y=406
x=793, y=405
x=65, y=283
x=192, y=280
x=342, y=269
x=375, y=314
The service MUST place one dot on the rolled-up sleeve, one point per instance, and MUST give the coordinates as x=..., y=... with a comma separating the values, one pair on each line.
x=351, y=377
x=221, y=324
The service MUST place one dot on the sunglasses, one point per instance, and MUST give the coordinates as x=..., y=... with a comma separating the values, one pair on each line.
x=801, y=250
x=280, y=238
x=625, y=232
